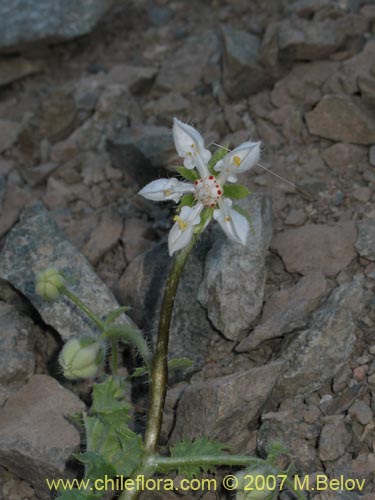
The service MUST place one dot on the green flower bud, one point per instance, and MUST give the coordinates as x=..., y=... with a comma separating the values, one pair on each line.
x=49, y=283
x=252, y=484
x=81, y=358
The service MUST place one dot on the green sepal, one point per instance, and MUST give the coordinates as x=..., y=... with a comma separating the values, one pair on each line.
x=236, y=191
x=190, y=175
x=217, y=156
x=96, y=465
x=206, y=216
x=197, y=448
x=187, y=200
x=113, y=315
x=247, y=216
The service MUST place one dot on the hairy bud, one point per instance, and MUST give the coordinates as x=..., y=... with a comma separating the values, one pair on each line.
x=81, y=358
x=49, y=283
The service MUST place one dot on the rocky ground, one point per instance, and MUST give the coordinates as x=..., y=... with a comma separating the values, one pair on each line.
x=281, y=332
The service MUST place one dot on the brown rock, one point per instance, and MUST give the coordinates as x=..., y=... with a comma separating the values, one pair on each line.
x=342, y=118
x=137, y=237
x=57, y=115
x=138, y=79
x=344, y=155
x=334, y=439
x=223, y=408
x=14, y=201
x=13, y=69
x=362, y=193
x=317, y=248
x=361, y=411
x=36, y=437
x=296, y=217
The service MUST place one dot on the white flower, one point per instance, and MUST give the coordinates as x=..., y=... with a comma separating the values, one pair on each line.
x=207, y=193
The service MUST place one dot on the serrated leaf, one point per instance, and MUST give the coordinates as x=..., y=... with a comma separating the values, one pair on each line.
x=197, y=448
x=217, y=156
x=187, y=200
x=190, y=175
x=96, y=465
x=243, y=212
x=236, y=191
x=108, y=397
x=179, y=364
x=113, y=315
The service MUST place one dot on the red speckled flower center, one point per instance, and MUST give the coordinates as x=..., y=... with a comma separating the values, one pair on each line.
x=208, y=191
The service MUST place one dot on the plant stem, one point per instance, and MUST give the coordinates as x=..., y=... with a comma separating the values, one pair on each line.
x=98, y=322
x=162, y=463
x=131, y=334
x=114, y=358
x=159, y=369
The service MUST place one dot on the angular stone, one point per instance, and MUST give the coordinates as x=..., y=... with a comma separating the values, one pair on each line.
x=13, y=201
x=361, y=412
x=9, y=132
x=334, y=439
x=317, y=354
x=372, y=156
x=234, y=276
x=223, y=408
x=302, y=39
x=138, y=79
x=57, y=115
x=342, y=118
x=365, y=243
x=242, y=73
x=184, y=69
x=24, y=21
x=35, y=244
x=142, y=287
x=17, y=68
x=17, y=338
x=344, y=155
x=36, y=437
x=138, y=152
x=317, y=247
x=287, y=310
x=37, y=175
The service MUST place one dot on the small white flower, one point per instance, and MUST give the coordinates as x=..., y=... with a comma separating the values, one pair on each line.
x=207, y=193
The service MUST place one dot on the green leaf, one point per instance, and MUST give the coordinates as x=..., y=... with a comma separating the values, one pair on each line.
x=113, y=315
x=108, y=397
x=96, y=465
x=187, y=200
x=199, y=447
x=191, y=175
x=247, y=216
x=217, y=156
x=236, y=191
x=139, y=371
x=179, y=364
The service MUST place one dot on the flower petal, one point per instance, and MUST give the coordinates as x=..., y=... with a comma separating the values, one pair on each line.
x=234, y=225
x=239, y=160
x=190, y=146
x=182, y=231
x=166, y=189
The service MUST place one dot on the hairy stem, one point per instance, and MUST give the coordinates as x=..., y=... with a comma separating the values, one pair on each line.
x=131, y=334
x=159, y=369
x=94, y=318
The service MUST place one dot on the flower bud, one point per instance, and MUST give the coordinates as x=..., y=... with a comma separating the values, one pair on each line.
x=252, y=484
x=81, y=358
x=49, y=283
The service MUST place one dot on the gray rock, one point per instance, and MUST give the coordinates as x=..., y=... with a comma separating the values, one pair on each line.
x=317, y=247
x=223, y=408
x=234, y=276
x=184, y=69
x=24, y=21
x=142, y=287
x=372, y=156
x=17, y=338
x=138, y=79
x=365, y=243
x=17, y=68
x=301, y=39
x=334, y=439
x=344, y=155
x=36, y=438
x=242, y=73
x=287, y=310
x=139, y=151
x=318, y=353
x=361, y=412
x=9, y=132
x=13, y=201
x=35, y=244
x=342, y=118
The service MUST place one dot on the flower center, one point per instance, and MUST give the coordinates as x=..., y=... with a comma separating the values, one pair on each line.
x=208, y=191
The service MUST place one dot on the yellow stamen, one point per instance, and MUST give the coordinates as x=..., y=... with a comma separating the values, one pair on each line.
x=167, y=192
x=183, y=225
x=228, y=218
x=237, y=161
